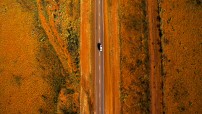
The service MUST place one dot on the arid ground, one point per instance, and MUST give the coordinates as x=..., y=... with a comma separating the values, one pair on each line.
x=39, y=56
x=153, y=56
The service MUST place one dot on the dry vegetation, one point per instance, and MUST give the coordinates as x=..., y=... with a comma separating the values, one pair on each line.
x=181, y=55
x=60, y=20
x=180, y=49
x=135, y=93
x=49, y=80
x=40, y=56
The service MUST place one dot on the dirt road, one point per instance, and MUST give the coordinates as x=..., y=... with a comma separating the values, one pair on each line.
x=155, y=57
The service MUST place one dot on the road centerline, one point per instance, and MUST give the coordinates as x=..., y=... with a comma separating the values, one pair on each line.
x=99, y=58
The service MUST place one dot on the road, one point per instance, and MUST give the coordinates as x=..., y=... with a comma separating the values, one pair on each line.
x=99, y=57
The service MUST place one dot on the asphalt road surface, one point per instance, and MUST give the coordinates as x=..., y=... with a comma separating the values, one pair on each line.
x=99, y=57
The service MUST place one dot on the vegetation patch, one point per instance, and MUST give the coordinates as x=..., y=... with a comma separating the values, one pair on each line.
x=60, y=24
x=18, y=80
x=135, y=80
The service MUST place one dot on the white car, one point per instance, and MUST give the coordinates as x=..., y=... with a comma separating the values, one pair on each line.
x=99, y=45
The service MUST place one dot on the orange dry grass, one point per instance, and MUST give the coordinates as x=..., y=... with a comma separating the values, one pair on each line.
x=21, y=83
x=182, y=63
x=31, y=73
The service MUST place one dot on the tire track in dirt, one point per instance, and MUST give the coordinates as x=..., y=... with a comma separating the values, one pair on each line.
x=155, y=58
x=52, y=33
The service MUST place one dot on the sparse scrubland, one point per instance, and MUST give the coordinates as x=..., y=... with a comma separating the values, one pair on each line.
x=52, y=28
x=61, y=22
x=40, y=56
x=135, y=79
x=181, y=55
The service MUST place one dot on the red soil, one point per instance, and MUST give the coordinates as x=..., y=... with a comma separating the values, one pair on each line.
x=155, y=58
x=87, y=73
x=112, y=57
